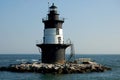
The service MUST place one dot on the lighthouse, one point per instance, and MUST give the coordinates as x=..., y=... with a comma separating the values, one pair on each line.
x=53, y=46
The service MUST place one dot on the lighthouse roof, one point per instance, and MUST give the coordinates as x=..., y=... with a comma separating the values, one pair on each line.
x=53, y=6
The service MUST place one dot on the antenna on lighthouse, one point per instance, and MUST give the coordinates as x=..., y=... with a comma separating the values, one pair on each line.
x=48, y=4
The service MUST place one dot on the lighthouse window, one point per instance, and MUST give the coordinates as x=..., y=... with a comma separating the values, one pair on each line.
x=44, y=39
x=57, y=31
x=59, y=40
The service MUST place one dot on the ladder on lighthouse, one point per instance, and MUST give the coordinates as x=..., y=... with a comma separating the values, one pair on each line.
x=72, y=53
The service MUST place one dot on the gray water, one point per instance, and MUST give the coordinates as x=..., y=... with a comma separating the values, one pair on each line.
x=112, y=61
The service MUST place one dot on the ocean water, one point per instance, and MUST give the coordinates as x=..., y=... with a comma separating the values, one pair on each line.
x=112, y=61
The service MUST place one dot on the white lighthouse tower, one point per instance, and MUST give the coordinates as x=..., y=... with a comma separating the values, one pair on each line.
x=53, y=46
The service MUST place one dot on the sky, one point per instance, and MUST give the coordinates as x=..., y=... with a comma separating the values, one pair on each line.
x=93, y=26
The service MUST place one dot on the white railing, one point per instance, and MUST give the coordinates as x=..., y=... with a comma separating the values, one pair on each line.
x=46, y=18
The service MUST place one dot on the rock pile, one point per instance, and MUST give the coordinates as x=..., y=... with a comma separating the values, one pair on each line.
x=56, y=68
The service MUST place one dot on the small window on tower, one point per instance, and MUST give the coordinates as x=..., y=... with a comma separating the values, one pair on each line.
x=44, y=39
x=57, y=31
x=59, y=40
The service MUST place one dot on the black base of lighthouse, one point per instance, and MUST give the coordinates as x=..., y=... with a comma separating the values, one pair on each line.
x=53, y=53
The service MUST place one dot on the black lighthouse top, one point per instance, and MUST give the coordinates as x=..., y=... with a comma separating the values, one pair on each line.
x=52, y=20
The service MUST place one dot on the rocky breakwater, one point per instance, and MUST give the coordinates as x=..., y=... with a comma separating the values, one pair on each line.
x=56, y=68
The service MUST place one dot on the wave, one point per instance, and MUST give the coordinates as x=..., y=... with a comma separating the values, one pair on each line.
x=27, y=60
x=34, y=60
x=22, y=60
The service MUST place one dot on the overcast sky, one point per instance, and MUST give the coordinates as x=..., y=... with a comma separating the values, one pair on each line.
x=92, y=25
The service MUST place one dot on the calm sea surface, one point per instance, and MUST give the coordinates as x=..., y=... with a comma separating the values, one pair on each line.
x=112, y=61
